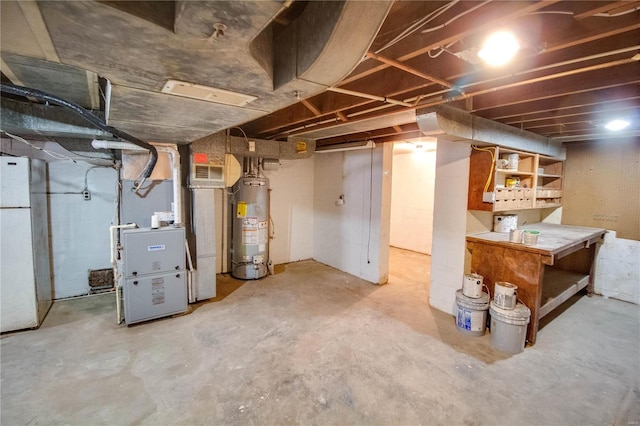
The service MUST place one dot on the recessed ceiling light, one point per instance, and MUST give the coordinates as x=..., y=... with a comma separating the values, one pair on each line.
x=499, y=48
x=615, y=125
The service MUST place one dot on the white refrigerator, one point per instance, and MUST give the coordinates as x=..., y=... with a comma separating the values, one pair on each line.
x=25, y=273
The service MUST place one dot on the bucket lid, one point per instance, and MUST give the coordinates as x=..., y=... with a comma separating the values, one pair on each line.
x=505, y=284
x=474, y=276
x=519, y=313
x=481, y=302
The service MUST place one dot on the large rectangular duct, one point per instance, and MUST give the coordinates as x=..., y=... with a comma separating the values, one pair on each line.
x=459, y=126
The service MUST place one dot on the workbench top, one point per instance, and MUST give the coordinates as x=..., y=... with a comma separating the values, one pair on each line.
x=553, y=238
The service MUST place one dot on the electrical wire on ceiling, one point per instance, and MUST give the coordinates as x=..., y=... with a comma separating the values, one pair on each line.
x=597, y=15
x=437, y=27
x=243, y=134
x=442, y=49
x=416, y=25
x=88, y=116
x=55, y=155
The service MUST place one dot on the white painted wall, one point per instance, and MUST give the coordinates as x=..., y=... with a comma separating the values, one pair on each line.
x=292, y=190
x=449, y=224
x=412, y=193
x=617, y=271
x=353, y=237
x=79, y=229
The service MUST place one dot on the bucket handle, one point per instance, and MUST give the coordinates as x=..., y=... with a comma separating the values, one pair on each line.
x=487, y=287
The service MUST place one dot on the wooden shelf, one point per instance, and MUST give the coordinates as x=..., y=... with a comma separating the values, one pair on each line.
x=544, y=175
x=558, y=286
x=514, y=172
x=535, y=172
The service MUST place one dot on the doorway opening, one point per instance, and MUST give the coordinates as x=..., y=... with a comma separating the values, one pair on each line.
x=411, y=221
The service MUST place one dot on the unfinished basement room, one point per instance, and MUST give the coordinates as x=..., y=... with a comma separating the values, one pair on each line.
x=331, y=212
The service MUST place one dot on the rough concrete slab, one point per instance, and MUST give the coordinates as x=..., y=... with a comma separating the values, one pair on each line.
x=312, y=345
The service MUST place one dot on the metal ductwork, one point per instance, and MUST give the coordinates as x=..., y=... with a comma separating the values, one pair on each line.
x=459, y=126
x=189, y=59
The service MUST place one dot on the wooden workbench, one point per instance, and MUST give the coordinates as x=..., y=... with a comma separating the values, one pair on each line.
x=547, y=274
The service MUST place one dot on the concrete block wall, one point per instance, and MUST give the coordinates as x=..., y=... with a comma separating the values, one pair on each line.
x=353, y=236
x=449, y=224
x=79, y=229
x=292, y=198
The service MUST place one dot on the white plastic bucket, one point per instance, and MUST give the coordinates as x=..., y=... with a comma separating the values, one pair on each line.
x=472, y=314
x=509, y=327
x=505, y=295
x=472, y=285
x=505, y=222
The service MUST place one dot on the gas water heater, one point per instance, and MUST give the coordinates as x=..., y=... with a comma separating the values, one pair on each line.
x=250, y=228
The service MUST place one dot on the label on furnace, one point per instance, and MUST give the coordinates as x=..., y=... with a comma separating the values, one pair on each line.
x=157, y=291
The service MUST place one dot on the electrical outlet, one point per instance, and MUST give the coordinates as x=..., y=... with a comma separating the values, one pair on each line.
x=86, y=195
x=488, y=197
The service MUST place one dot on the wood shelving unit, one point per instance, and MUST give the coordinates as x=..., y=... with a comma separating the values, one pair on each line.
x=540, y=181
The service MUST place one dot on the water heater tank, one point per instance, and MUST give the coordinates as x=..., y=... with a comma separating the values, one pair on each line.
x=250, y=232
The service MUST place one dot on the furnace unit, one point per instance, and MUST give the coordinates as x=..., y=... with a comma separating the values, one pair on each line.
x=152, y=273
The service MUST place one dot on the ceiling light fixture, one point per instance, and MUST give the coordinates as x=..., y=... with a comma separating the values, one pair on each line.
x=499, y=48
x=615, y=125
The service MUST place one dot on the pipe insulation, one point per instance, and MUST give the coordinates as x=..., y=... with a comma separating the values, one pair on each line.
x=87, y=115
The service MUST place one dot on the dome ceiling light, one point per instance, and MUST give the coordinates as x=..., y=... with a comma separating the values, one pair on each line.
x=616, y=125
x=499, y=48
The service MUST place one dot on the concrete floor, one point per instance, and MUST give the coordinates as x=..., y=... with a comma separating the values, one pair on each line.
x=312, y=345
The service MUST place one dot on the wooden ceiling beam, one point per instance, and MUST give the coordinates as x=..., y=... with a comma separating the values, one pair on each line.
x=618, y=6
x=562, y=85
x=408, y=69
x=375, y=135
x=294, y=115
x=399, y=137
x=273, y=124
x=311, y=108
x=623, y=7
x=599, y=34
x=495, y=15
x=567, y=111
